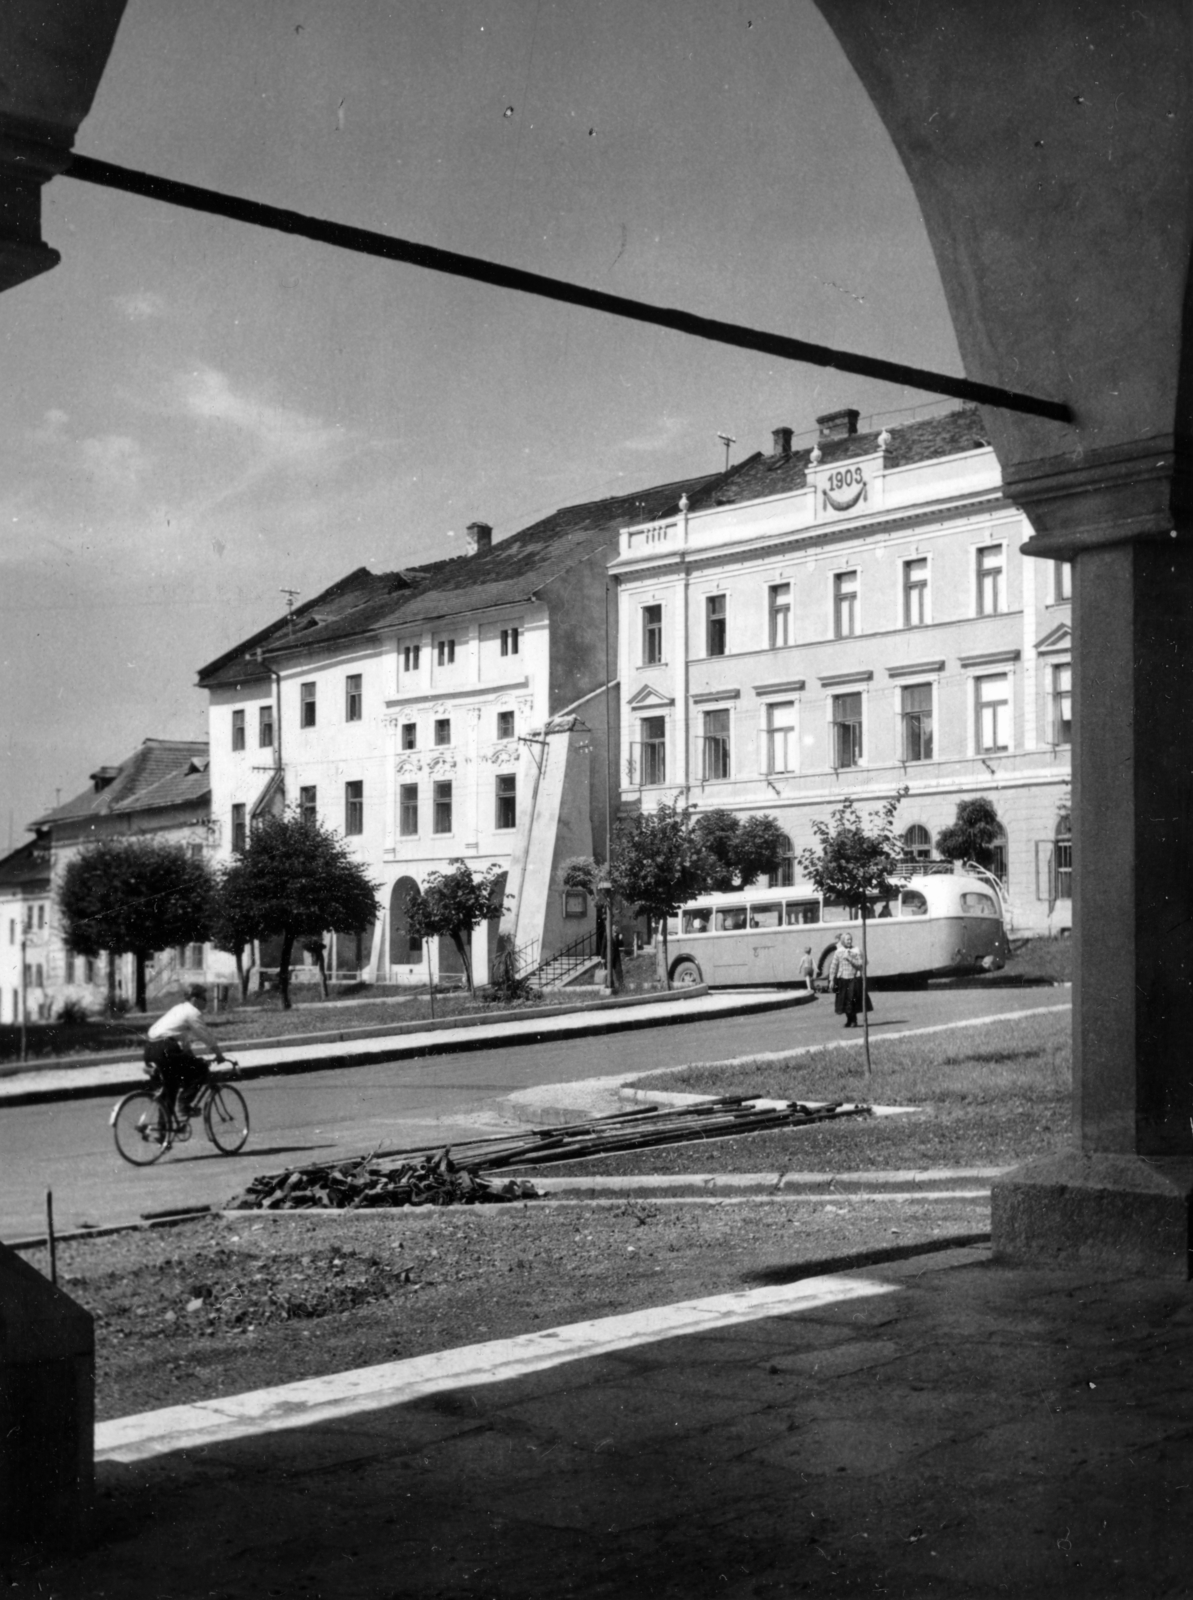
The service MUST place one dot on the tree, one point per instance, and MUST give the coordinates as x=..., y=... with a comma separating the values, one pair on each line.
x=134, y=897
x=739, y=850
x=972, y=833
x=294, y=880
x=658, y=864
x=233, y=922
x=853, y=866
x=454, y=903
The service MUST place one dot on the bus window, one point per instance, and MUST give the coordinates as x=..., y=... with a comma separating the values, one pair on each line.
x=696, y=921
x=912, y=904
x=834, y=912
x=800, y=912
x=978, y=905
x=882, y=908
x=766, y=916
x=731, y=919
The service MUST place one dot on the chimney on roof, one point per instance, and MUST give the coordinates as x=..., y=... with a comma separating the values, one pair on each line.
x=103, y=776
x=478, y=537
x=838, y=424
x=781, y=438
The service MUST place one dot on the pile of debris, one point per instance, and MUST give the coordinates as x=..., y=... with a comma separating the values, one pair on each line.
x=432, y=1180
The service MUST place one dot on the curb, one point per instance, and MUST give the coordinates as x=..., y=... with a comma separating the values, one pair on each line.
x=456, y=1041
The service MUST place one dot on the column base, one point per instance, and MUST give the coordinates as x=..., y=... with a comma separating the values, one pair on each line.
x=1129, y=1215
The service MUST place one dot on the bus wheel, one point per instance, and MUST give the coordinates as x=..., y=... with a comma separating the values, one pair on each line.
x=685, y=974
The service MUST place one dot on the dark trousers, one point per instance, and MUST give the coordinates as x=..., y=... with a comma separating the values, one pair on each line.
x=176, y=1068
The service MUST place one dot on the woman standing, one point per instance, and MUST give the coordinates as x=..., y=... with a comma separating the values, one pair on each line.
x=845, y=976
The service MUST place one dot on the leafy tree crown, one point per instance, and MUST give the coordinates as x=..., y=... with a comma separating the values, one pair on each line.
x=972, y=834
x=135, y=896
x=855, y=858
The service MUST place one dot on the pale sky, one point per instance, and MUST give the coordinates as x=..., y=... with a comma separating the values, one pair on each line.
x=198, y=413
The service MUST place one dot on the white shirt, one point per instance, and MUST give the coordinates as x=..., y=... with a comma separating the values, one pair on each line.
x=183, y=1021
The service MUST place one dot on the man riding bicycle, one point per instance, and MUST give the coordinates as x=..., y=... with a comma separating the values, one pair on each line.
x=169, y=1053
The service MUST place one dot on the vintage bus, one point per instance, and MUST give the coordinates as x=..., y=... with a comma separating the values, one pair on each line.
x=938, y=923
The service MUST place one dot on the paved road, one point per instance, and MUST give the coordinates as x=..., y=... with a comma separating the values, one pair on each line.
x=68, y=1147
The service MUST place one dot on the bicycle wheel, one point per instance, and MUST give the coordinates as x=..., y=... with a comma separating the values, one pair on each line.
x=140, y=1128
x=226, y=1118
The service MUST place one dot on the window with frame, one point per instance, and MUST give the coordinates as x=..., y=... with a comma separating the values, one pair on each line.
x=308, y=810
x=917, y=843
x=442, y=806
x=652, y=635
x=715, y=763
x=784, y=874
x=779, y=615
x=410, y=736
x=265, y=727
x=306, y=697
x=993, y=713
x=353, y=697
x=411, y=654
x=1062, y=704
x=652, y=751
x=408, y=810
x=916, y=716
x=239, y=828
x=505, y=725
x=443, y=730
x=506, y=812
x=844, y=605
x=1062, y=858
x=238, y=730
x=1062, y=580
x=847, y=730
x=915, y=592
x=998, y=855
x=991, y=595
x=445, y=652
x=510, y=640
x=715, y=624
x=780, y=736
x=354, y=806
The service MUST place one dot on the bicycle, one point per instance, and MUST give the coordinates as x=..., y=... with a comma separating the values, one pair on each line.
x=144, y=1132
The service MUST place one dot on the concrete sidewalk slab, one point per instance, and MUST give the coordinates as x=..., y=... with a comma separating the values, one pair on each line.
x=948, y=1427
x=82, y=1082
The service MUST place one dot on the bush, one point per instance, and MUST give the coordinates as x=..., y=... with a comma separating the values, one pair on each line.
x=119, y=1006
x=72, y=1013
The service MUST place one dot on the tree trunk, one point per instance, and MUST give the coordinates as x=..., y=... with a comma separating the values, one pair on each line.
x=666, y=960
x=111, y=984
x=866, y=999
x=139, y=966
x=242, y=977
x=284, y=969
x=466, y=958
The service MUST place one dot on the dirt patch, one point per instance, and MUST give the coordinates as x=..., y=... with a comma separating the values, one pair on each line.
x=223, y=1306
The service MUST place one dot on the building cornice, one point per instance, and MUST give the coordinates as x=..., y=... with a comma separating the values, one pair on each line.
x=916, y=669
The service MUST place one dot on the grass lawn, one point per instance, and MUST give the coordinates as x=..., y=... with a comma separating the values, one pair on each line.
x=985, y=1096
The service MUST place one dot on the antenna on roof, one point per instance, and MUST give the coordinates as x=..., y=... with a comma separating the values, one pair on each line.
x=291, y=596
x=726, y=439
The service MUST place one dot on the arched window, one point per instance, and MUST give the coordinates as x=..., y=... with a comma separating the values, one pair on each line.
x=405, y=949
x=784, y=874
x=998, y=850
x=1062, y=858
x=917, y=843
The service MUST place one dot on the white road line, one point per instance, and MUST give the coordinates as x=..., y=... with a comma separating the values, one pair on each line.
x=345, y=1394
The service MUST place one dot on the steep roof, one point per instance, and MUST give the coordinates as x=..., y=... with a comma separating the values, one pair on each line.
x=511, y=571
x=161, y=772
x=27, y=867
x=927, y=440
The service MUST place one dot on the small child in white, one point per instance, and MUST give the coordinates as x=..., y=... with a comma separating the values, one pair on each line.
x=807, y=969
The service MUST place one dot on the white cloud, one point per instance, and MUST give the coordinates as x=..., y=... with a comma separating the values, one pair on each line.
x=141, y=305
x=669, y=430
x=52, y=428
x=282, y=433
x=114, y=460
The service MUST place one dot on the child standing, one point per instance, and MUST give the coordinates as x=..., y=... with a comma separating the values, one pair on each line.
x=807, y=969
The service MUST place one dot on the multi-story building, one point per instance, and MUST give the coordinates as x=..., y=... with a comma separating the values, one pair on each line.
x=162, y=792
x=456, y=711
x=24, y=931
x=845, y=620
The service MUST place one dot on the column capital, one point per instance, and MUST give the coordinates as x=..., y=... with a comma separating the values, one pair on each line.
x=1112, y=495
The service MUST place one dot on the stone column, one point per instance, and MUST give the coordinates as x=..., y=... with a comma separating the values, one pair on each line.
x=1119, y=1197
